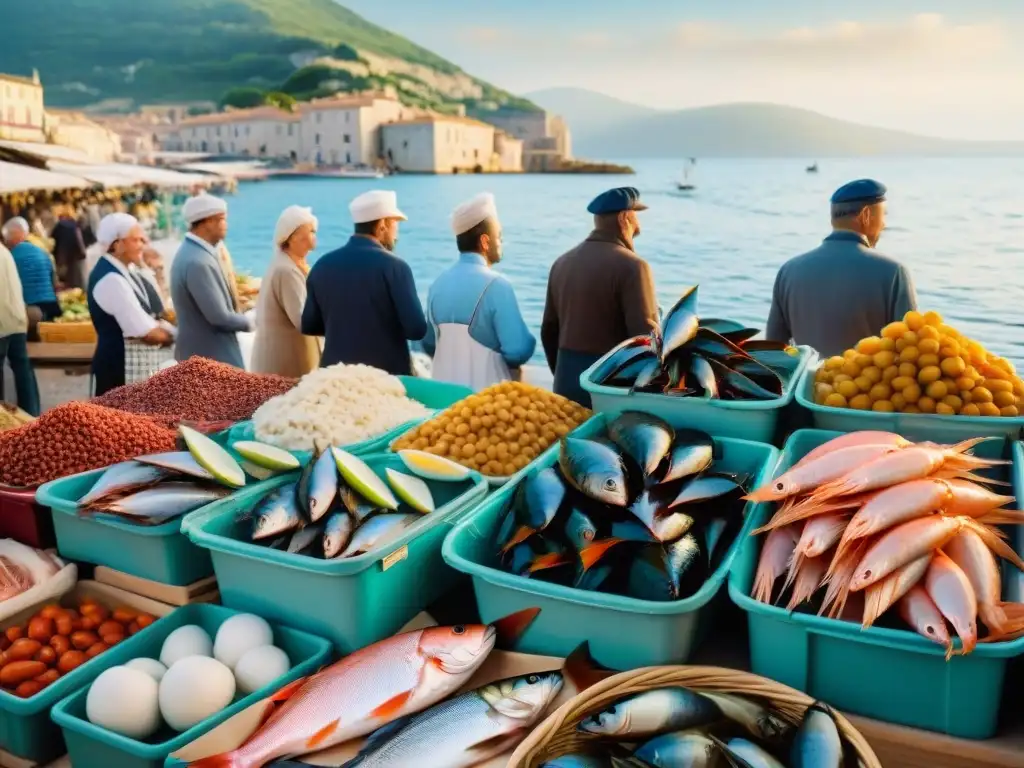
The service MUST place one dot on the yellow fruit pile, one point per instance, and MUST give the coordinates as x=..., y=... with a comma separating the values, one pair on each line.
x=498, y=430
x=920, y=365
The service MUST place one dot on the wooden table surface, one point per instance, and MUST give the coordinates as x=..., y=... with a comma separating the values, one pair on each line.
x=43, y=354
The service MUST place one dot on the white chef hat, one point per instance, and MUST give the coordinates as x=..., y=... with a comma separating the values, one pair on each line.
x=472, y=212
x=291, y=218
x=113, y=227
x=375, y=205
x=203, y=206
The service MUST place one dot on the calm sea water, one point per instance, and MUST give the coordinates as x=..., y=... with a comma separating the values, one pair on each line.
x=958, y=224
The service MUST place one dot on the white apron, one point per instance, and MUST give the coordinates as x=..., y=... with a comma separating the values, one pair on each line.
x=461, y=359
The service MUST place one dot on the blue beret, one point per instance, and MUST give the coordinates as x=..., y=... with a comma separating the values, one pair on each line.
x=615, y=200
x=867, y=191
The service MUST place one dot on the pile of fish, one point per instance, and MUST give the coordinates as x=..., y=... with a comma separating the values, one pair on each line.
x=641, y=512
x=877, y=521
x=397, y=691
x=683, y=358
x=338, y=507
x=676, y=727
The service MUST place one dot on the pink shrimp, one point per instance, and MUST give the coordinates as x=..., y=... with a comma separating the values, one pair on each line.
x=921, y=613
x=903, y=544
x=775, y=556
x=813, y=474
x=898, y=504
x=808, y=578
x=866, y=437
x=881, y=595
x=951, y=591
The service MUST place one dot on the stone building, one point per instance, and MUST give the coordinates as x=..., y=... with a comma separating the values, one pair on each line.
x=449, y=144
x=22, y=116
x=76, y=130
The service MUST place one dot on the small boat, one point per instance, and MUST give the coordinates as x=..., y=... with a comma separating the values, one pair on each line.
x=686, y=185
x=812, y=168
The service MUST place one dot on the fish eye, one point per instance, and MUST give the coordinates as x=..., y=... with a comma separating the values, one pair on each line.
x=780, y=486
x=459, y=630
x=532, y=679
x=610, y=484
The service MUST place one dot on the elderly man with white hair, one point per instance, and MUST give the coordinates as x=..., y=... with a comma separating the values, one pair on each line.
x=475, y=330
x=35, y=269
x=121, y=303
x=208, y=324
x=13, y=339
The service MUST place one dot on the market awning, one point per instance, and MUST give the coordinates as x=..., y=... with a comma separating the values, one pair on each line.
x=46, y=151
x=124, y=175
x=22, y=178
x=246, y=170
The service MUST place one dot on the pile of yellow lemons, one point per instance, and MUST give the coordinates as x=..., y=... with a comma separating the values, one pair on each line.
x=920, y=365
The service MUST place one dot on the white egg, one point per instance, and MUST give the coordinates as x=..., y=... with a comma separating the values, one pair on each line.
x=240, y=634
x=183, y=642
x=194, y=689
x=125, y=701
x=151, y=667
x=261, y=666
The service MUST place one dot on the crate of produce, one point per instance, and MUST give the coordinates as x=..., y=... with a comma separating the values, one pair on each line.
x=368, y=596
x=659, y=630
x=82, y=332
x=22, y=519
x=26, y=730
x=92, y=746
x=887, y=672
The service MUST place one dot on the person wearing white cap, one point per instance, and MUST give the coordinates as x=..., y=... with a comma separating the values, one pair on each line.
x=361, y=297
x=280, y=346
x=122, y=304
x=475, y=330
x=208, y=323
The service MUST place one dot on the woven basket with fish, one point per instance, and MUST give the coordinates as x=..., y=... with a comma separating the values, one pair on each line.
x=691, y=714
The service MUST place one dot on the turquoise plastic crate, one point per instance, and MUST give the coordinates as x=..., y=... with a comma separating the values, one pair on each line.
x=1013, y=584
x=353, y=602
x=90, y=746
x=623, y=632
x=913, y=426
x=892, y=675
x=159, y=552
x=25, y=726
x=754, y=420
x=435, y=395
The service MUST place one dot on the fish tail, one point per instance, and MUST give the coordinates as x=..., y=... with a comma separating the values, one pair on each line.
x=764, y=584
x=966, y=445
x=796, y=561
x=591, y=554
x=876, y=602
x=1003, y=517
x=960, y=473
x=793, y=514
x=994, y=542
x=511, y=628
x=543, y=562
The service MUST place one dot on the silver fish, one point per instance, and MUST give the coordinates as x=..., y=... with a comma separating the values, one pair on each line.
x=304, y=537
x=377, y=532
x=680, y=323
x=706, y=488
x=126, y=476
x=817, y=743
x=337, y=533
x=323, y=486
x=161, y=503
x=465, y=730
x=276, y=513
x=181, y=462
x=652, y=713
x=594, y=469
x=760, y=722
x=358, y=507
x=747, y=754
x=684, y=748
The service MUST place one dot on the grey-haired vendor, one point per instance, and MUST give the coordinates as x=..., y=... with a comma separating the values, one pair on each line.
x=844, y=290
x=599, y=294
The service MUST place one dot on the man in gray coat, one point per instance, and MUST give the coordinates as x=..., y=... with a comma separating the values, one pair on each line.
x=207, y=320
x=844, y=290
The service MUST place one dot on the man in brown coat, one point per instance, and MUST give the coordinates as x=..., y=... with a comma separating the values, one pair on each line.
x=599, y=294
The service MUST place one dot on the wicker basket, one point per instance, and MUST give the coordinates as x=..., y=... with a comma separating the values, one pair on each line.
x=557, y=735
x=68, y=333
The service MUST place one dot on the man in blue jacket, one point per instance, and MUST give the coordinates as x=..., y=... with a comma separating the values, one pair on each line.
x=361, y=297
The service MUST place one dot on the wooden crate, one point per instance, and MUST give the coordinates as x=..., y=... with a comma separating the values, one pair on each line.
x=67, y=333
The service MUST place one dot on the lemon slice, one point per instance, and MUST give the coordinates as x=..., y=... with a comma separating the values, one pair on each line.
x=433, y=467
x=411, y=490
x=363, y=479
x=266, y=456
x=213, y=458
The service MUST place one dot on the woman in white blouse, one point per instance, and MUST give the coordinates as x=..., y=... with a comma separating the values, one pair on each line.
x=122, y=304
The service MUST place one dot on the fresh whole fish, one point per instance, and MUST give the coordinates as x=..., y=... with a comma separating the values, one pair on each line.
x=972, y=499
x=704, y=376
x=337, y=533
x=949, y=588
x=797, y=509
x=706, y=488
x=179, y=462
x=652, y=713
x=367, y=689
x=323, y=485
x=747, y=754
x=538, y=500
x=378, y=531
x=882, y=595
x=975, y=559
x=304, y=538
x=691, y=454
x=686, y=748
x=810, y=476
x=276, y=513
x=594, y=470
x=898, y=504
x=161, y=503
x=653, y=511
x=465, y=730
x=820, y=534
x=120, y=478
x=854, y=439
x=817, y=743
x=901, y=545
x=680, y=324
x=756, y=719
x=920, y=612
x=358, y=507
x=579, y=529
x=775, y=556
x=643, y=437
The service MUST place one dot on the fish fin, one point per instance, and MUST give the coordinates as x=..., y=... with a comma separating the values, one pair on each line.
x=378, y=737
x=994, y=542
x=392, y=706
x=518, y=537
x=323, y=734
x=590, y=554
x=268, y=711
x=838, y=580
x=1003, y=517
x=794, y=514
x=955, y=473
x=966, y=445
x=285, y=693
x=582, y=670
x=550, y=560
x=726, y=752
x=511, y=628
x=796, y=561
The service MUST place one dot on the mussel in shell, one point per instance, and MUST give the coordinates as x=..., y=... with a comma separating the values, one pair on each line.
x=643, y=437
x=737, y=386
x=680, y=324
x=704, y=376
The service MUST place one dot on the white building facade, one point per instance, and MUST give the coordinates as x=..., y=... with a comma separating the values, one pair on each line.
x=345, y=130
x=22, y=116
x=76, y=130
x=447, y=144
x=260, y=132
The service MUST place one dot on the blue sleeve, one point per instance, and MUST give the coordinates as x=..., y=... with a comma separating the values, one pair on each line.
x=514, y=338
x=904, y=296
x=406, y=301
x=202, y=282
x=430, y=339
x=312, y=318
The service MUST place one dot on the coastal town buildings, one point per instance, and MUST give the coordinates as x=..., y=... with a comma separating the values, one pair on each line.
x=547, y=142
x=449, y=144
x=22, y=116
x=345, y=130
x=258, y=132
x=78, y=131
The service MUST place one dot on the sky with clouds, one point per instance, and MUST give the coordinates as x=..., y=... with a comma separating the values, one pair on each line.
x=949, y=67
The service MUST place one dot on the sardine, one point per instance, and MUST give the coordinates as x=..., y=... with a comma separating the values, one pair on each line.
x=704, y=376
x=355, y=503
x=747, y=754
x=640, y=716
x=378, y=532
x=643, y=437
x=760, y=722
x=686, y=748
x=594, y=470
x=817, y=743
x=652, y=509
x=337, y=533
x=179, y=462
x=121, y=478
x=276, y=513
x=680, y=324
x=304, y=538
x=323, y=485
x=161, y=503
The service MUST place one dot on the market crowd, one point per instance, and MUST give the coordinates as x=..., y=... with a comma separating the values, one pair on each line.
x=359, y=304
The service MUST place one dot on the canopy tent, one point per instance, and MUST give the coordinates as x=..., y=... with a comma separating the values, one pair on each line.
x=22, y=178
x=124, y=175
x=244, y=171
x=46, y=151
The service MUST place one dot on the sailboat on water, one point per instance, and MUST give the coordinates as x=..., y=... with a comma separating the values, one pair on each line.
x=686, y=185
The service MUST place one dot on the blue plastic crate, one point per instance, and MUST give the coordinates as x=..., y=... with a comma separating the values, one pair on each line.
x=623, y=632
x=353, y=602
x=892, y=675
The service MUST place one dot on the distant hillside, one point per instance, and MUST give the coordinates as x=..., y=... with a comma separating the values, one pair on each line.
x=606, y=127
x=148, y=51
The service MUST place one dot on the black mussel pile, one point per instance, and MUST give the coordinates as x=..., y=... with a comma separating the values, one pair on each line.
x=673, y=727
x=640, y=511
x=684, y=358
